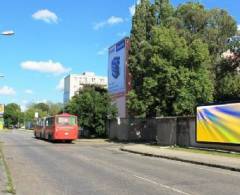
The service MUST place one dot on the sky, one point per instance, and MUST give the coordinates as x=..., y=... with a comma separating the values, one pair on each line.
x=54, y=38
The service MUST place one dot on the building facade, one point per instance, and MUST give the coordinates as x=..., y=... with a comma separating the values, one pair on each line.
x=75, y=82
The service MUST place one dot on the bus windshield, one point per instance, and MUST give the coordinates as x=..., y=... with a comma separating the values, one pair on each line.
x=66, y=120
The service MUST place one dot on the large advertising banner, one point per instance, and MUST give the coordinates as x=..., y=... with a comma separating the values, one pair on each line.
x=1, y=109
x=218, y=123
x=116, y=68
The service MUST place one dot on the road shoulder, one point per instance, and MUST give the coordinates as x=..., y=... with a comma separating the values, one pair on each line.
x=6, y=184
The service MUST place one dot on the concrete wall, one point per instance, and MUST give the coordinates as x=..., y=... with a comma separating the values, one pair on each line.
x=132, y=130
x=164, y=131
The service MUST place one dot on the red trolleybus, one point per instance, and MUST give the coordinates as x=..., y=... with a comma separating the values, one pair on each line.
x=60, y=127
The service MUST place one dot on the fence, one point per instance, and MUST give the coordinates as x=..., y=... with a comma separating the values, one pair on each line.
x=168, y=131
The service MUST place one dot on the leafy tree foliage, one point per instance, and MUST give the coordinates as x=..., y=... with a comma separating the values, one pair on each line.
x=228, y=74
x=43, y=110
x=93, y=107
x=12, y=115
x=173, y=56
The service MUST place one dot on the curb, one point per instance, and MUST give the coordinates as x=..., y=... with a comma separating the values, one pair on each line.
x=183, y=160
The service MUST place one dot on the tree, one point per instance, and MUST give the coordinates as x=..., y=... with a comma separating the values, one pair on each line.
x=142, y=24
x=29, y=114
x=12, y=115
x=41, y=106
x=227, y=71
x=173, y=63
x=43, y=110
x=93, y=107
x=213, y=27
x=163, y=12
x=54, y=108
x=177, y=76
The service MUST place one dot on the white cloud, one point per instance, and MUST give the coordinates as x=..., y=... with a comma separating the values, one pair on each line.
x=102, y=51
x=132, y=8
x=41, y=101
x=60, y=86
x=7, y=91
x=238, y=26
x=45, y=67
x=113, y=20
x=46, y=16
x=122, y=34
x=28, y=91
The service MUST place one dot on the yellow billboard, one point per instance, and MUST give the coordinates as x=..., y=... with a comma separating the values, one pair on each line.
x=218, y=123
x=1, y=108
x=1, y=123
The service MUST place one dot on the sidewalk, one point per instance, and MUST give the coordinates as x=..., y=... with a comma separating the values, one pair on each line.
x=229, y=163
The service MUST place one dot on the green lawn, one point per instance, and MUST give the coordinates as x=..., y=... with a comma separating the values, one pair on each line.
x=9, y=188
x=210, y=152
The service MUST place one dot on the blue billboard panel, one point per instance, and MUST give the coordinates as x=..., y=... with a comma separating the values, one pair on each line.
x=116, y=68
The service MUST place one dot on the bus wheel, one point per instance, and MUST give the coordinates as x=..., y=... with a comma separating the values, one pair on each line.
x=49, y=137
x=68, y=141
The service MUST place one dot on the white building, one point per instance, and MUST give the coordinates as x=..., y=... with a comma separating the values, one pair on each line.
x=75, y=82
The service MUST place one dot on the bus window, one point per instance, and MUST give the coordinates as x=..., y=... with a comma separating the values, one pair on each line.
x=63, y=120
x=49, y=122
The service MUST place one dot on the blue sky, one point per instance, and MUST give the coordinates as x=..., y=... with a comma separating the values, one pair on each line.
x=54, y=38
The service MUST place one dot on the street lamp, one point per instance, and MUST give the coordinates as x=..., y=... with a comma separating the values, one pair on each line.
x=8, y=33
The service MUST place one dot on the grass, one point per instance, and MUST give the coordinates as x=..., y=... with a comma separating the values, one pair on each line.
x=210, y=152
x=9, y=188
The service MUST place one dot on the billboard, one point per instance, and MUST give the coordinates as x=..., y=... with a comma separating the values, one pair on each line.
x=116, y=68
x=1, y=123
x=1, y=109
x=218, y=123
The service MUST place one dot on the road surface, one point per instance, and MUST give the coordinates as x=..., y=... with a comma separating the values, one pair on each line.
x=42, y=168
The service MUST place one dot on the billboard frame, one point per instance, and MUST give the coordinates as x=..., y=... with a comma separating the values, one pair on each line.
x=212, y=104
x=127, y=75
x=3, y=110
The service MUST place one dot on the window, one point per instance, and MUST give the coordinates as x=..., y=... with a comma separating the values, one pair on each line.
x=49, y=122
x=66, y=120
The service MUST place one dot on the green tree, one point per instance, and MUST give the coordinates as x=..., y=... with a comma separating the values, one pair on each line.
x=163, y=12
x=93, y=107
x=41, y=106
x=54, y=108
x=29, y=114
x=142, y=24
x=43, y=110
x=173, y=63
x=12, y=115
x=213, y=27
x=228, y=77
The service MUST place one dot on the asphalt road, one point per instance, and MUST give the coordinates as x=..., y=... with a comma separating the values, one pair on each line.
x=42, y=168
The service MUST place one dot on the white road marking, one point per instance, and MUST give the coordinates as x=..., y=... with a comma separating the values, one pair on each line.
x=162, y=185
